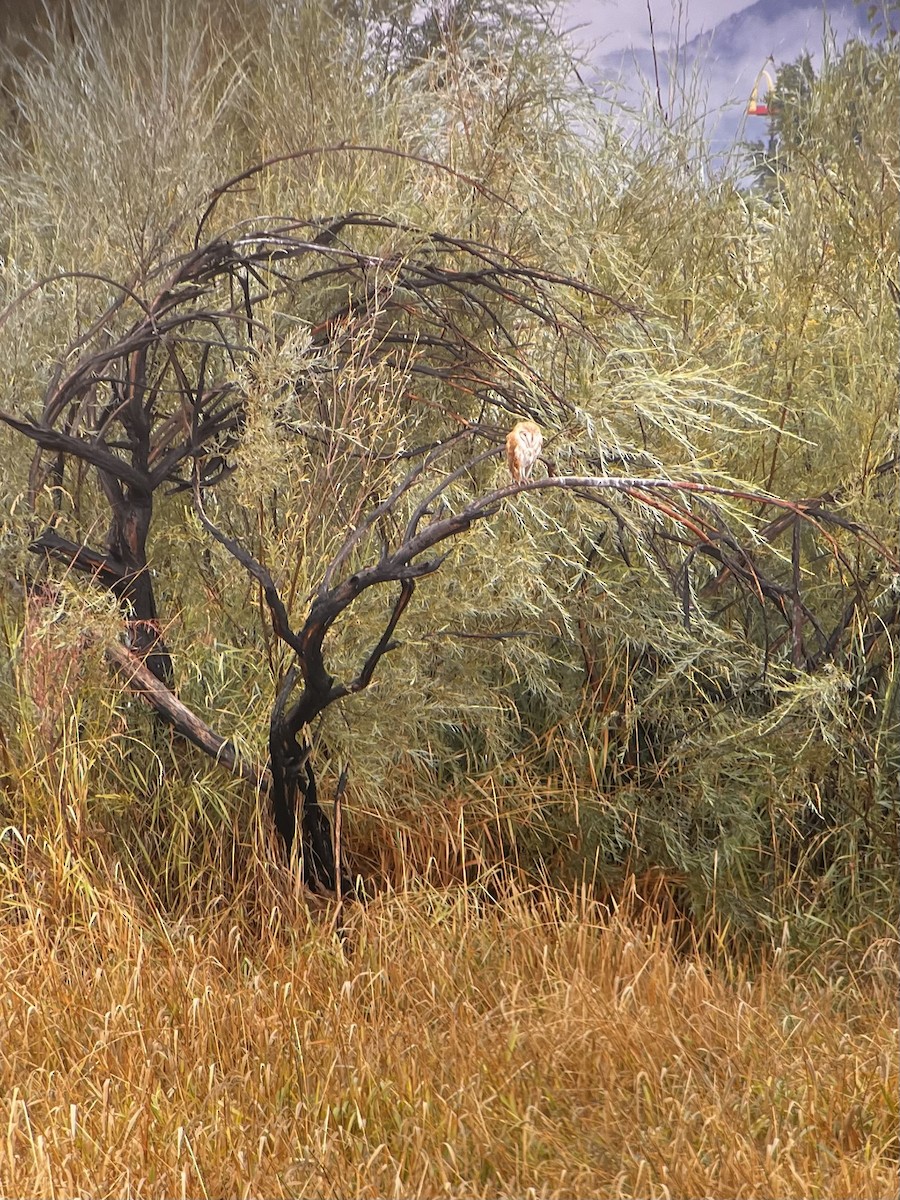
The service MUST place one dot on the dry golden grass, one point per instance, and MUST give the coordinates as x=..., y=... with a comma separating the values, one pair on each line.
x=520, y=1048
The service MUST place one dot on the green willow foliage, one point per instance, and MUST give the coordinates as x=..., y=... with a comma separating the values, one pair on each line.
x=567, y=696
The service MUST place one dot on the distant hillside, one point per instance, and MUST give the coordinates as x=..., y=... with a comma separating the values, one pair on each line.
x=728, y=57
x=779, y=27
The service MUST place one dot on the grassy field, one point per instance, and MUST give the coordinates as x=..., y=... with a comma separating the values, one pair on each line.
x=535, y=1047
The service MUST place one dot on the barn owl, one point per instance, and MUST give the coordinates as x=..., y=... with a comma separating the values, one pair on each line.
x=523, y=448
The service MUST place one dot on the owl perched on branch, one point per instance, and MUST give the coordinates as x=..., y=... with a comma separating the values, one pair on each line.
x=523, y=449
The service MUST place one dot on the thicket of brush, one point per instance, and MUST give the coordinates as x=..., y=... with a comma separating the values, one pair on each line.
x=640, y=717
x=587, y=708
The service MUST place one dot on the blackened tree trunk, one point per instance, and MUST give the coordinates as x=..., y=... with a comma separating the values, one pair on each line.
x=132, y=512
x=294, y=789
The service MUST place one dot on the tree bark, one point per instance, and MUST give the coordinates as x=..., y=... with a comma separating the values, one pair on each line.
x=294, y=788
x=127, y=550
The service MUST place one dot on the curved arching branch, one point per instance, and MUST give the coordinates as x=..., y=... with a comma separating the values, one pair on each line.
x=340, y=148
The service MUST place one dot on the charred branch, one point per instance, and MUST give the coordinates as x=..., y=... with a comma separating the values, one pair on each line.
x=81, y=558
x=141, y=680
